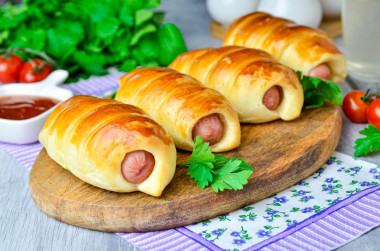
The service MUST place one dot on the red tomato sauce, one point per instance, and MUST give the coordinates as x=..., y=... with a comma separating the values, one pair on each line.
x=24, y=107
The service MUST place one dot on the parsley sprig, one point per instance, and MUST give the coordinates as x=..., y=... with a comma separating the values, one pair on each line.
x=368, y=144
x=216, y=171
x=316, y=91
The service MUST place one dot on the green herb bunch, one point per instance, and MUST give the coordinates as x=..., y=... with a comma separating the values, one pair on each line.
x=85, y=36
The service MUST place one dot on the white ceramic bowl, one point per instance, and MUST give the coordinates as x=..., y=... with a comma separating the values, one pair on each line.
x=303, y=12
x=26, y=131
x=226, y=11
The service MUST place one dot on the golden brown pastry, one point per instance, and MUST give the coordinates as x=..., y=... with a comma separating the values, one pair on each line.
x=110, y=145
x=182, y=106
x=259, y=88
x=302, y=48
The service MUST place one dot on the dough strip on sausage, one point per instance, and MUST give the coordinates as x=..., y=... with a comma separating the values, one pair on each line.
x=183, y=106
x=301, y=48
x=259, y=88
x=111, y=145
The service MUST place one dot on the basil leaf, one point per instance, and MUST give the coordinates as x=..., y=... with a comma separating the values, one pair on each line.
x=107, y=28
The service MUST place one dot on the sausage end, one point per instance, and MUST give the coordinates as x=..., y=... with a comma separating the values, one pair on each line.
x=272, y=97
x=137, y=166
x=210, y=128
x=321, y=71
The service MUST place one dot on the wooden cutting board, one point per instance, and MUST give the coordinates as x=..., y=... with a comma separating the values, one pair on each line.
x=281, y=153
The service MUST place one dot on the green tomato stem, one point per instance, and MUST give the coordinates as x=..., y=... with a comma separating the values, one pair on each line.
x=40, y=54
x=368, y=95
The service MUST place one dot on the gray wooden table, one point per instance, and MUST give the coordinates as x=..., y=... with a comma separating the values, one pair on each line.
x=24, y=227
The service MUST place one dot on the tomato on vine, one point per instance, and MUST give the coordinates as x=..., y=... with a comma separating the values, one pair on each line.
x=373, y=113
x=10, y=67
x=355, y=105
x=34, y=70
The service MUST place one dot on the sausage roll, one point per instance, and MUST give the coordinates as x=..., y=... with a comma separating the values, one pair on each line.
x=304, y=49
x=259, y=88
x=182, y=106
x=111, y=145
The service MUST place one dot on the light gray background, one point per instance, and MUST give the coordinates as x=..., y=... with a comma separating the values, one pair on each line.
x=24, y=227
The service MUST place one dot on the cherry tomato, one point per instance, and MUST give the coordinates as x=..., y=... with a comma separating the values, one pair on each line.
x=354, y=108
x=373, y=113
x=34, y=70
x=10, y=68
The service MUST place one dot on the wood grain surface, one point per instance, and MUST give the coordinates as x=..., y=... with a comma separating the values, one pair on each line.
x=281, y=153
x=333, y=28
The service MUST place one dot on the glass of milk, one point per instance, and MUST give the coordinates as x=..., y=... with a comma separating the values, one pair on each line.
x=361, y=34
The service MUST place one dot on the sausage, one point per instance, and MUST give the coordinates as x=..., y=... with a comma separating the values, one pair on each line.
x=210, y=128
x=137, y=166
x=272, y=97
x=321, y=71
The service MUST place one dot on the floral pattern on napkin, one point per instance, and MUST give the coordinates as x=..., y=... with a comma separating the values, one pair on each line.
x=338, y=179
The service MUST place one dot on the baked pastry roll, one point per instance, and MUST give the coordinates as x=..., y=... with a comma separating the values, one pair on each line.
x=182, y=106
x=302, y=48
x=259, y=88
x=110, y=145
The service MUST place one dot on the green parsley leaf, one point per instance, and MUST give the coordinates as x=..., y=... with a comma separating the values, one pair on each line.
x=216, y=171
x=201, y=173
x=153, y=3
x=98, y=11
x=59, y=41
x=74, y=28
x=4, y=35
x=220, y=160
x=12, y=15
x=126, y=16
x=92, y=63
x=201, y=153
x=119, y=48
x=316, y=91
x=37, y=42
x=232, y=175
x=142, y=16
x=128, y=65
x=368, y=144
x=107, y=29
x=149, y=46
x=150, y=63
x=139, y=33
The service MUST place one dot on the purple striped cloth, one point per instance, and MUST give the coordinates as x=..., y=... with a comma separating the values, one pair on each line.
x=96, y=86
x=339, y=225
x=330, y=228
